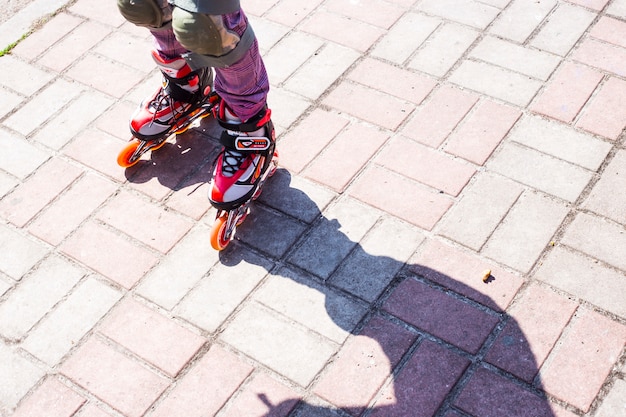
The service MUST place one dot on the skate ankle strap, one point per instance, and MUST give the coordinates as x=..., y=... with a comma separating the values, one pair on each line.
x=254, y=123
x=251, y=144
x=174, y=90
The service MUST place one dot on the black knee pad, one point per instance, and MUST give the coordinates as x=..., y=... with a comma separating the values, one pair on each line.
x=202, y=33
x=153, y=14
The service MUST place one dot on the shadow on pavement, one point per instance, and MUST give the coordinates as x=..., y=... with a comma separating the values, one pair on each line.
x=411, y=347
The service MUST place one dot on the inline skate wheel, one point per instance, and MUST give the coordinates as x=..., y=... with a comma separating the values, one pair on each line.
x=219, y=241
x=127, y=158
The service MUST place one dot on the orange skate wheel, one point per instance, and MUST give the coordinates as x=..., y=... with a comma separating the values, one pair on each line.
x=218, y=232
x=125, y=158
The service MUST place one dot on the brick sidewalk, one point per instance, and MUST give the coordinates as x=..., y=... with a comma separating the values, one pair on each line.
x=421, y=141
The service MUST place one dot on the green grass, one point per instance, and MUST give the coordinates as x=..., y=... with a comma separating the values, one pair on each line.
x=8, y=49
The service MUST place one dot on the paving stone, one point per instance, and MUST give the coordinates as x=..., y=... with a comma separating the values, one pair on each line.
x=471, y=13
x=425, y=165
x=424, y=382
x=437, y=117
x=342, y=30
x=132, y=51
x=189, y=261
x=617, y=8
x=53, y=399
x=90, y=146
x=287, y=108
x=101, y=12
x=496, y=82
x=531, y=62
x=592, y=4
x=311, y=304
x=481, y=132
x=351, y=150
x=38, y=110
x=91, y=410
x=399, y=82
x=72, y=120
x=321, y=71
x=527, y=17
x=21, y=375
x=563, y=29
x=7, y=183
x=290, y=14
x=357, y=100
x=443, y=49
x=540, y=171
x=601, y=55
x=609, y=30
x=227, y=285
x=275, y=342
x=603, y=199
x=299, y=46
x=60, y=331
x=386, y=14
x=400, y=196
x=40, y=40
x=441, y=314
x=9, y=101
x=462, y=272
x=38, y=191
x=36, y=295
x=268, y=33
x=363, y=364
x=114, y=378
x=374, y=263
x=302, y=143
x=597, y=238
x=19, y=157
x=23, y=78
x=406, y=36
x=18, y=253
x=125, y=262
x=67, y=51
x=482, y=206
x=111, y=78
x=596, y=119
x=330, y=241
x=561, y=141
x=584, y=277
x=533, y=220
x=578, y=368
x=528, y=337
x=613, y=403
x=263, y=396
x=567, y=92
x=219, y=372
x=491, y=395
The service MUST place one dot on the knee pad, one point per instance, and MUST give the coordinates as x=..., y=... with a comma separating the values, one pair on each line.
x=202, y=33
x=153, y=14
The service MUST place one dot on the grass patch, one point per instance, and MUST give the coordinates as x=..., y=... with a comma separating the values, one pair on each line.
x=8, y=49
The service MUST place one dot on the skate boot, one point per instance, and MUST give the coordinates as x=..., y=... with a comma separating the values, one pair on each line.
x=184, y=96
x=246, y=161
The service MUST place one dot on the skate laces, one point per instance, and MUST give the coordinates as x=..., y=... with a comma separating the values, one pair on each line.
x=232, y=161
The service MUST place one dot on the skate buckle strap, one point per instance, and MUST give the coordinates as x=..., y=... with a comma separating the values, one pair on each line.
x=252, y=143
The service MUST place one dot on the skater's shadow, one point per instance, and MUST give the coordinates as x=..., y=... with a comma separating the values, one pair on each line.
x=414, y=342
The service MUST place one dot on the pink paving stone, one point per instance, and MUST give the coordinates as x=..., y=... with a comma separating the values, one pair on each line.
x=291, y=13
x=263, y=396
x=400, y=83
x=386, y=14
x=115, y=120
x=206, y=387
x=301, y=144
x=51, y=399
x=426, y=165
x=110, y=78
x=98, y=150
x=110, y=254
x=42, y=39
x=351, y=150
x=535, y=325
x=606, y=114
x=436, y=119
x=151, y=336
x=580, y=364
x=401, y=197
x=258, y=8
x=441, y=314
x=71, y=209
x=342, y=30
x=610, y=30
x=567, y=92
x=423, y=383
x=104, y=12
x=151, y=224
x=67, y=51
x=482, y=131
x=356, y=99
x=91, y=410
x=113, y=377
x=601, y=55
x=190, y=198
x=591, y=4
x=363, y=365
x=462, y=272
x=490, y=395
x=38, y=191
